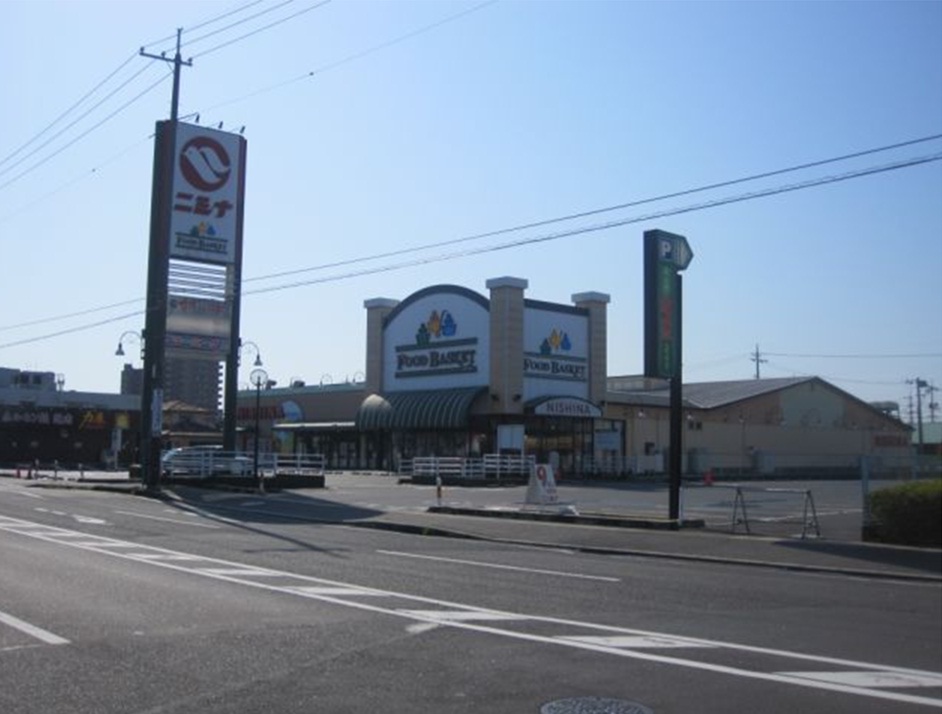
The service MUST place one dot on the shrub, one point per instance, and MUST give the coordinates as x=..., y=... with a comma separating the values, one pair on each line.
x=908, y=514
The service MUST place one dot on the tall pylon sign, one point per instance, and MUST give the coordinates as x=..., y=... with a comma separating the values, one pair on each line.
x=666, y=255
x=194, y=271
x=196, y=255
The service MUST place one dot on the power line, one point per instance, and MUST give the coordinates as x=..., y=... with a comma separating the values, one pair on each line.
x=548, y=237
x=102, y=83
x=67, y=111
x=855, y=356
x=260, y=29
x=115, y=91
x=62, y=187
x=355, y=56
x=598, y=211
x=71, y=314
x=320, y=70
x=205, y=23
x=78, y=328
x=73, y=123
x=613, y=224
x=86, y=132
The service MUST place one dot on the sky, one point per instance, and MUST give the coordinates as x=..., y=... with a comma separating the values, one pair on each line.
x=383, y=137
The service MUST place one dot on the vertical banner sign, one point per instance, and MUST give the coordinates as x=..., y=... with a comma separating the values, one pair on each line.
x=665, y=254
x=205, y=240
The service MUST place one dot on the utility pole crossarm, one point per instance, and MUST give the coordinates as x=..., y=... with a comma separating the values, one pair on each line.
x=757, y=358
x=177, y=63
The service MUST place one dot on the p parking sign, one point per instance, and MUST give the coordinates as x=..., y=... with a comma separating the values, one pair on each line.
x=665, y=254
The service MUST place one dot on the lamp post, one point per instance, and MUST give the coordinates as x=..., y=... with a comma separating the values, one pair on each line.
x=130, y=388
x=258, y=354
x=119, y=352
x=230, y=402
x=258, y=377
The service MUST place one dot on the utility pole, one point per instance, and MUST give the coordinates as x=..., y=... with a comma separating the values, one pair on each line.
x=933, y=404
x=757, y=359
x=920, y=385
x=155, y=320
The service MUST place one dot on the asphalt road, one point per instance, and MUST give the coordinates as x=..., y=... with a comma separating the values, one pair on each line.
x=236, y=603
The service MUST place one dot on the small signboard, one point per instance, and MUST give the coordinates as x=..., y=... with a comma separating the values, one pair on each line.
x=541, y=489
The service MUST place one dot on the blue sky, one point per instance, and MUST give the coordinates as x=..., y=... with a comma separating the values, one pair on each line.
x=380, y=126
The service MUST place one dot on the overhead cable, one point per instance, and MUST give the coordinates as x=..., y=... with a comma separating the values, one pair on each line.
x=598, y=211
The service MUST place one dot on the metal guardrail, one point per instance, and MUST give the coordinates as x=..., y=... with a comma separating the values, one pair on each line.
x=205, y=463
x=299, y=464
x=491, y=466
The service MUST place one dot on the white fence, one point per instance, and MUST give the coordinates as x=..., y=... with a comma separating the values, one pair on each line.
x=491, y=466
x=199, y=462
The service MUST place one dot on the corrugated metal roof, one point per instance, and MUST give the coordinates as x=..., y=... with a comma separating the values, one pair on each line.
x=434, y=409
x=710, y=395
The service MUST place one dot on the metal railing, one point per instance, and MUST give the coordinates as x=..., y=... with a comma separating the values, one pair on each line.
x=209, y=462
x=491, y=466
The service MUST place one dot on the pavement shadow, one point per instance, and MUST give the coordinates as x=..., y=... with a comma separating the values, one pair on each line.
x=255, y=512
x=926, y=560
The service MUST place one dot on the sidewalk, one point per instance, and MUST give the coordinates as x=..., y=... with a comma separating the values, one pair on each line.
x=632, y=524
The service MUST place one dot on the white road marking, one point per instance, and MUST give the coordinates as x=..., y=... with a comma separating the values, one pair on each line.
x=498, y=566
x=419, y=628
x=503, y=626
x=642, y=642
x=89, y=519
x=163, y=556
x=336, y=592
x=168, y=520
x=460, y=615
x=873, y=679
x=32, y=630
x=248, y=571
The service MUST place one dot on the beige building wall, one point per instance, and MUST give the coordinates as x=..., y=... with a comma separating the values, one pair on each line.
x=377, y=310
x=808, y=425
x=506, y=344
x=597, y=305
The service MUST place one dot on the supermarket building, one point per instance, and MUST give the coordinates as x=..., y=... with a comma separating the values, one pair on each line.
x=450, y=372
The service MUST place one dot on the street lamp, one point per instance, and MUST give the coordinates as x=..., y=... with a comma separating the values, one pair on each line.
x=119, y=352
x=258, y=377
x=258, y=354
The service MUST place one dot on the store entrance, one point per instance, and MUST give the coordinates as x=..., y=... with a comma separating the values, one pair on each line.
x=566, y=439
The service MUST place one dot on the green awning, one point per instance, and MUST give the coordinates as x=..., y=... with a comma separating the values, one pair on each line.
x=433, y=409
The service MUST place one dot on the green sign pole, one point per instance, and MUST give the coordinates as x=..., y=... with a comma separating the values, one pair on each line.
x=665, y=256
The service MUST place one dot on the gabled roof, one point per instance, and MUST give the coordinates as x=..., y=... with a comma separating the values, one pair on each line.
x=710, y=395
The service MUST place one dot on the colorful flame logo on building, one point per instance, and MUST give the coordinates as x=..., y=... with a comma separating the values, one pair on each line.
x=203, y=229
x=438, y=325
x=558, y=341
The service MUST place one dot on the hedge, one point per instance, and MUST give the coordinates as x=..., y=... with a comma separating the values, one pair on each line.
x=908, y=514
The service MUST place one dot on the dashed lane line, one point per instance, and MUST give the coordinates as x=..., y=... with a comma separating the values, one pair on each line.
x=842, y=675
x=32, y=630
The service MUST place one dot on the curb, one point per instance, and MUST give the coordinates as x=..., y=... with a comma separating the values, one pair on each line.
x=588, y=519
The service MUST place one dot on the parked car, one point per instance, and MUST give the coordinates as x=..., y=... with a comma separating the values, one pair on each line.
x=209, y=460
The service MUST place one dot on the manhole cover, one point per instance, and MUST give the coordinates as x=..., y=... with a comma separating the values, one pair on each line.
x=593, y=705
